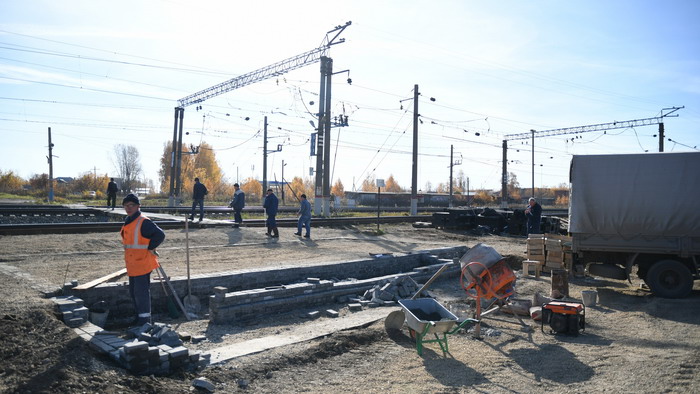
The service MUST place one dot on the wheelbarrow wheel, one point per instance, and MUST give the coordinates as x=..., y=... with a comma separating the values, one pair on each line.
x=412, y=333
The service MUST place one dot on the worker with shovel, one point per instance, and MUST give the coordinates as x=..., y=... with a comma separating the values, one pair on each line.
x=140, y=237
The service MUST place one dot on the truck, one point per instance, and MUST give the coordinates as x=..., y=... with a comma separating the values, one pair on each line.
x=638, y=212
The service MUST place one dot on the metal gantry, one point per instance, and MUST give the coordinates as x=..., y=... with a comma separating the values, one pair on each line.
x=665, y=112
x=273, y=70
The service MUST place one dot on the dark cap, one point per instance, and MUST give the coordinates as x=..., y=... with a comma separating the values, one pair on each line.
x=269, y=190
x=235, y=184
x=303, y=196
x=131, y=198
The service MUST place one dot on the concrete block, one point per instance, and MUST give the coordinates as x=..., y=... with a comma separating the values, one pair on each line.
x=184, y=335
x=178, y=353
x=202, y=383
x=313, y=315
x=100, y=346
x=332, y=313
x=313, y=280
x=135, y=347
x=220, y=292
x=199, y=338
x=355, y=307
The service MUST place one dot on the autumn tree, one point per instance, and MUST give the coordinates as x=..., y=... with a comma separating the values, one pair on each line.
x=369, y=184
x=195, y=163
x=10, y=183
x=482, y=197
x=513, y=187
x=39, y=182
x=128, y=164
x=252, y=189
x=338, y=189
x=391, y=185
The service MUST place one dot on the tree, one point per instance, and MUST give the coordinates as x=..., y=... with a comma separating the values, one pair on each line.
x=338, y=190
x=482, y=197
x=392, y=186
x=298, y=187
x=128, y=164
x=513, y=187
x=10, y=183
x=369, y=184
x=428, y=187
x=39, y=182
x=252, y=189
x=202, y=165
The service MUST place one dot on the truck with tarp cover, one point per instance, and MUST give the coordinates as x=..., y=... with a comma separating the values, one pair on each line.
x=638, y=211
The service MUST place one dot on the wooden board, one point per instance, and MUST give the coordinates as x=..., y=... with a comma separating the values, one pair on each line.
x=103, y=279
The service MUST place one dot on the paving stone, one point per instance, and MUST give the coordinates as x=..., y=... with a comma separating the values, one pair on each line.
x=332, y=313
x=177, y=353
x=135, y=346
x=203, y=383
x=313, y=315
x=355, y=307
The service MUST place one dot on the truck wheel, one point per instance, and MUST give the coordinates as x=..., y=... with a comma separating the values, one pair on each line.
x=669, y=279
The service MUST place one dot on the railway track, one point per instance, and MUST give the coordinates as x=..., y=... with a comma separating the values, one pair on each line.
x=33, y=219
x=75, y=228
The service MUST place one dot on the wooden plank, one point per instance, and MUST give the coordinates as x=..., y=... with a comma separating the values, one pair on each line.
x=103, y=279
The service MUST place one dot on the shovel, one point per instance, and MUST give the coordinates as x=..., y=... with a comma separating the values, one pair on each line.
x=191, y=302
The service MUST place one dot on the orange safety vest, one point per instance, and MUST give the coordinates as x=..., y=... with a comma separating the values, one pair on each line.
x=139, y=261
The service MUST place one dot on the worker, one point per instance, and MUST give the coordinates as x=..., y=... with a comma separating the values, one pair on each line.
x=112, y=190
x=270, y=206
x=534, y=215
x=140, y=237
x=238, y=203
x=198, y=193
x=304, y=216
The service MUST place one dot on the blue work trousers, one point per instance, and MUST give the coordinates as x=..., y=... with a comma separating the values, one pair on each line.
x=201, y=209
x=304, y=221
x=140, y=291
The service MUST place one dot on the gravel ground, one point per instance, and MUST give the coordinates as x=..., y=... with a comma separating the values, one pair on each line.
x=634, y=342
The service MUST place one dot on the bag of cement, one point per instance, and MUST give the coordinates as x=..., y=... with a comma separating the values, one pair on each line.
x=536, y=313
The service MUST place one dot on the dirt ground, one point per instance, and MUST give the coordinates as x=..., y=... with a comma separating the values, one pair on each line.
x=633, y=342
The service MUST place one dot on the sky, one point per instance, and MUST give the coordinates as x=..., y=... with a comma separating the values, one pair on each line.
x=102, y=74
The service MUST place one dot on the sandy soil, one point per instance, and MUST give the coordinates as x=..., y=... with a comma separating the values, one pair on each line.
x=634, y=342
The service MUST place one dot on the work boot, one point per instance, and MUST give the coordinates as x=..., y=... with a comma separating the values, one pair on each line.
x=307, y=236
x=275, y=233
x=268, y=232
x=297, y=233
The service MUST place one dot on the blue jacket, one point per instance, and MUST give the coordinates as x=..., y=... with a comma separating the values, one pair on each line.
x=535, y=213
x=199, y=191
x=270, y=204
x=238, y=199
x=305, y=208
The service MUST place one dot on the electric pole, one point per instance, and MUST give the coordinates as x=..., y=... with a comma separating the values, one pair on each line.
x=50, y=167
x=414, y=168
x=452, y=150
x=661, y=137
x=264, y=184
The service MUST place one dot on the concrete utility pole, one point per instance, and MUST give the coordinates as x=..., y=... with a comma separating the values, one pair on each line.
x=414, y=168
x=661, y=137
x=321, y=140
x=504, y=176
x=50, y=168
x=264, y=184
x=175, y=157
x=327, y=142
x=533, y=163
x=283, y=183
x=452, y=151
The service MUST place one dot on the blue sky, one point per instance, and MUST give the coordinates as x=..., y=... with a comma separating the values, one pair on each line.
x=102, y=73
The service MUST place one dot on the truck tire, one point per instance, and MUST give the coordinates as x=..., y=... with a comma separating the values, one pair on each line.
x=669, y=279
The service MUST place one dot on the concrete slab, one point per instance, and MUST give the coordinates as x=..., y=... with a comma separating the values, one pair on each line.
x=304, y=332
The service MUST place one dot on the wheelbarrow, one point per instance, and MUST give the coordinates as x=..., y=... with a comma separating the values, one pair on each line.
x=425, y=316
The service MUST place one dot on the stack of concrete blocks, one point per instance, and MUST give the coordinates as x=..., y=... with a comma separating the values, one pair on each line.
x=535, y=248
x=388, y=292
x=70, y=310
x=158, y=349
x=558, y=250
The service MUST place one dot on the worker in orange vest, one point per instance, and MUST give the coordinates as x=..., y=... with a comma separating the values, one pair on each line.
x=140, y=237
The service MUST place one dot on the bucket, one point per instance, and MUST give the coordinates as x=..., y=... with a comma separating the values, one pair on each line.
x=99, y=313
x=99, y=317
x=589, y=297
